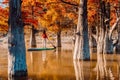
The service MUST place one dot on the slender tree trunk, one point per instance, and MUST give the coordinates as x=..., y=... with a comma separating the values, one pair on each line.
x=81, y=50
x=90, y=42
x=16, y=44
x=118, y=45
x=33, y=38
x=59, y=39
x=118, y=30
x=108, y=42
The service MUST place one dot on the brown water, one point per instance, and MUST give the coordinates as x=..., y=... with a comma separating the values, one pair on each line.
x=59, y=65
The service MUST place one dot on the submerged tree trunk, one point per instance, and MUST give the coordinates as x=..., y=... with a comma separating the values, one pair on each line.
x=118, y=45
x=16, y=44
x=81, y=50
x=33, y=38
x=59, y=39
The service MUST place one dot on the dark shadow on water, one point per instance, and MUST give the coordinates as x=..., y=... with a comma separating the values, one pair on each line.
x=18, y=78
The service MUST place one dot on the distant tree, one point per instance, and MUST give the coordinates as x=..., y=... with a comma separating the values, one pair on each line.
x=58, y=17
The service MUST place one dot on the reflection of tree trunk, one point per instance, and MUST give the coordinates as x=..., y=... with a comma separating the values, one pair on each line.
x=17, y=78
x=118, y=67
x=78, y=67
x=81, y=50
x=33, y=38
x=59, y=39
x=17, y=53
x=58, y=55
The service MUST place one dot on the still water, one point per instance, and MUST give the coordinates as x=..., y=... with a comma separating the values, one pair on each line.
x=59, y=65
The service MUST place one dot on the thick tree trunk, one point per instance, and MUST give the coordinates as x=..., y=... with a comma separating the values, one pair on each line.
x=17, y=52
x=33, y=38
x=81, y=50
x=59, y=39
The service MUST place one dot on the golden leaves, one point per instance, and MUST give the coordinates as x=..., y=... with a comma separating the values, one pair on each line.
x=4, y=19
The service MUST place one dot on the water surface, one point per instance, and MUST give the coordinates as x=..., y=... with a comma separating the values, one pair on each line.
x=59, y=65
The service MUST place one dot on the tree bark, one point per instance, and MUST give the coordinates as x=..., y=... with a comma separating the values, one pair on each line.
x=101, y=43
x=16, y=44
x=81, y=50
x=59, y=39
x=108, y=41
x=108, y=44
x=118, y=45
x=33, y=38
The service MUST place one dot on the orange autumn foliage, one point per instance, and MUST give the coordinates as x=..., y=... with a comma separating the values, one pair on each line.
x=49, y=13
x=93, y=9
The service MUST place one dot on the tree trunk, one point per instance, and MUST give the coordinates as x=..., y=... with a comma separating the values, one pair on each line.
x=101, y=43
x=91, y=43
x=33, y=38
x=108, y=42
x=59, y=39
x=81, y=50
x=16, y=44
x=118, y=45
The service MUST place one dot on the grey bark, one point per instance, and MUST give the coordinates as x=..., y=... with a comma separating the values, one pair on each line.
x=81, y=50
x=118, y=45
x=101, y=41
x=108, y=41
x=16, y=44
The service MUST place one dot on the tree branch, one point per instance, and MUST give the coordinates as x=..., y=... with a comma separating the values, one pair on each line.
x=94, y=36
x=115, y=24
x=69, y=3
x=113, y=27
